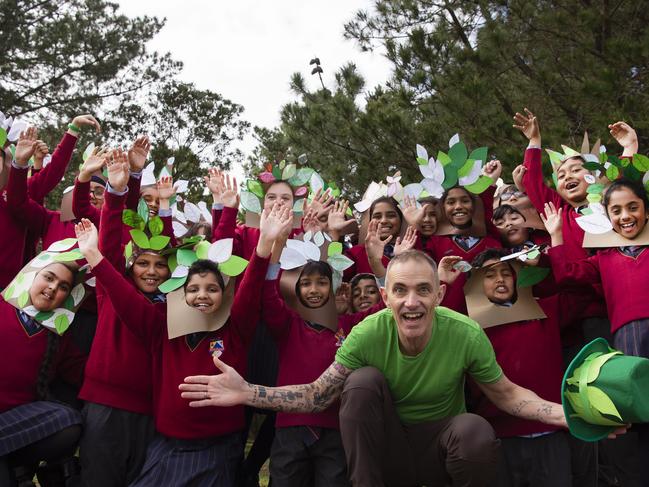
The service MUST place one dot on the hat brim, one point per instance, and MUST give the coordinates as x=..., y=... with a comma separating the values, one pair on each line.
x=578, y=427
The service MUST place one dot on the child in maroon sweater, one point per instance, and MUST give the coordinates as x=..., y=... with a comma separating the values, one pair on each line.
x=307, y=449
x=197, y=447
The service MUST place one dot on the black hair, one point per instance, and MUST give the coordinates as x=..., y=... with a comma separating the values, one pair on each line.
x=316, y=267
x=503, y=210
x=442, y=200
x=202, y=267
x=193, y=230
x=359, y=277
x=45, y=370
x=489, y=254
x=389, y=200
x=428, y=200
x=635, y=187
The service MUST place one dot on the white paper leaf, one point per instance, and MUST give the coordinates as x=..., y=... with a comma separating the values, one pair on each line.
x=327, y=236
x=590, y=157
x=291, y=259
x=318, y=239
x=14, y=132
x=171, y=161
x=47, y=159
x=92, y=282
x=597, y=208
x=421, y=152
x=473, y=175
x=645, y=178
x=62, y=245
x=77, y=293
x=589, y=178
x=602, y=149
x=220, y=251
x=308, y=249
x=205, y=211
x=607, y=165
x=30, y=310
x=179, y=229
x=453, y=140
x=192, y=212
x=433, y=187
x=595, y=223
x=181, y=185
x=179, y=215
x=339, y=262
x=316, y=182
x=148, y=176
x=45, y=258
x=250, y=202
x=308, y=236
x=362, y=206
x=180, y=271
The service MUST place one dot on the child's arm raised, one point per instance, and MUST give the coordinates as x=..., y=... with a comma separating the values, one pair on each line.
x=110, y=231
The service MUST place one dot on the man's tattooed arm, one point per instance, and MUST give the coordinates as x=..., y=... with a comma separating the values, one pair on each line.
x=306, y=398
x=521, y=402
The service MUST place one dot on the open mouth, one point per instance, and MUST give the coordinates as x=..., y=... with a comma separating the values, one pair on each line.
x=412, y=317
x=628, y=227
x=47, y=295
x=151, y=281
x=428, y=228
x=570, y=185
x=364, y=305
x=203, y=307
x=502, y=289
x=314, y=300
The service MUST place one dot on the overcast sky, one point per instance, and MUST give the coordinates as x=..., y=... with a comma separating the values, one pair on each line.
x=247, y=50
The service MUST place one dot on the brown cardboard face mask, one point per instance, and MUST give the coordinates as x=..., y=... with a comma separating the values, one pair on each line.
x=489, y=314
x=614, y=239
x=183, y=319
x=325, y=315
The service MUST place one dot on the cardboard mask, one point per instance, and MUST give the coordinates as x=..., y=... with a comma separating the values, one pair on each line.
x=614, y=239
x=17, y=293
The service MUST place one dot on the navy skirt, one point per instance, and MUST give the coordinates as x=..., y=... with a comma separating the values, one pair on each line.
x=28, y=423
x=633, y=338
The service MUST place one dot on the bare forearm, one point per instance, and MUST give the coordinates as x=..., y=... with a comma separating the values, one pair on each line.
x=527, y=405
x=378, y=269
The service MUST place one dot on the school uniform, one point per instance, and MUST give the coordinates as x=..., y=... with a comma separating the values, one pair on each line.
x=361, y=264
x=307, y=449
x=82, y=208
x=199, y=446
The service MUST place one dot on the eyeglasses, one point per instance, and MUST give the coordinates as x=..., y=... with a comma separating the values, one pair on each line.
x=98, y=192
x=506, y=196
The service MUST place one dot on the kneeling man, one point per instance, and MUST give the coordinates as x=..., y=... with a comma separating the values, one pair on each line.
x=400, y=377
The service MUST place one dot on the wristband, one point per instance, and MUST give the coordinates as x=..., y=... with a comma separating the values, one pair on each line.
x=74, y=128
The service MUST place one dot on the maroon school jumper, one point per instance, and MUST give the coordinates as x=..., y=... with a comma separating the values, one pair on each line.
x=82, y=208
x=361, y=265
x=17, y=246
x=118, y=373
x=529, y=352
x=588, y=297
x=304, y=352
x=175, y=359
x=623, y=278
x=22, y=349
x=245, y=238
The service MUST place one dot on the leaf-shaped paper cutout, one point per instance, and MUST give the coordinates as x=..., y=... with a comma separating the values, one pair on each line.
x=529, y=276
x=234, y=266
x=454, y=140
x=640, y=162
x=172, y=262
x=205, y=212
x=180, y=271
x=413, y=190
x=362, y=206
x=92, y=282
x=61, y=323
x=597, y=363
x=159, y=242
x=302, y=159
x=186, y=257
x=595, y=188
x=612, y=173
x=43, y=259
x=202, y=249
x=340, y=262
x=3, y=137
x=289, y=171
x=148, y=175
x=570, y=152
x=156, y=225
x=309, y=249
x=282, y=164
x=181, y=186
x=533, y=255
x=595, y=223
x=458, y=154
x=600, y=401
x=422, y=153
x=250, y=202
x=88, y=151
x=291, y=259
x=132, y=219
x=62, y=245
x=479, y=154
x=221, y=250
x=68, y=303
x=318, y=239
x=302, y=176
x=23, y=298
x=473, y=174
x=128, y=250
x=255, y=188
x=16, y=127
x=140, y=238
x=192, y=212
x=8, y=293
x=41, y=316
x=277, y=173
x=78, y=292
x=480, y=185
x=143, y=210
x=267, y=177
x=298, y=206
x=334, y=248
x=450, y=178
x=171, y=284
x=179, y=229
x=72, y=255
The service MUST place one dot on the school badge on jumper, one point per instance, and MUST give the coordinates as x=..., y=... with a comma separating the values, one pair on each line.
x=216, y=348
x=340, y=337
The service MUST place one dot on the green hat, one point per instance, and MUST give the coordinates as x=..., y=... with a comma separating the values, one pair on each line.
x=603, y=390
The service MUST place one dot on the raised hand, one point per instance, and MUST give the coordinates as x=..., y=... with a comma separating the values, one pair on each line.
x=374, y=246
x=26, y=146
x=320, y=202
x=343, y=298
x=117, y=166
x=518, y=173
x=226, y=389
x=552, y=221
x=492, y=169
x=138, y=153
x=273, y=225
x=40, y=151
x=166, y=188
x=625, y=136
x=310, y=222
x=407, y=242
x=529, y=126
x=336, y=220
x=412, y=213
x=95, y=162
x=88, y=240
x=214, y=182
x=446, y=269
x=229, y=192
x=86, y=121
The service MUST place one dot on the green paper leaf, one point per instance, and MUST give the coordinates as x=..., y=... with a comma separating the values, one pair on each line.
x=140, y=239
x=612, y=173
x=450, y=177
x=159, y=242
x=298, y=206
x=458, y=154
x=334, y=248
x=171, y=284
x=421, y=161
x=255, y=188
x=43, y=315
x=277, y=172
x=250, y=202
x=480, y=185
x=593, y=166
x=479, y=154
x=282, y=164
x=88, y=151
x=74, y=254
x=443, y=158
x=202, y=249
x=3, y=137
x=62, y=245
x=600, y=401
x=597, y=363
x=156, y=225
x=595, y=188
x=9, y=292
x=529, y=275
x=128, y=250
x=234, y=266
x=466, y=168
x=143, y=210
x=68, y=303
x=640, y=162
x=172, y=262
x=533, y=254
x=12, y=149
x=625, y=162
x=186, y=257
x=301, y=177
x=132, y=219
x=554, y=180
x=339, y=262
x=61, y=323
x=594, y=198
x=289, y=171
x=22, y=299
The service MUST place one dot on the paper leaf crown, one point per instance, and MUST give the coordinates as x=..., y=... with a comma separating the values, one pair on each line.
x=182, y=257
x=10, y=129
x=139, y=237
x=59, y=319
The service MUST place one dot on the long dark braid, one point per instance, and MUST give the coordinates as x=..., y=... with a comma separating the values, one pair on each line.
x=45, y=370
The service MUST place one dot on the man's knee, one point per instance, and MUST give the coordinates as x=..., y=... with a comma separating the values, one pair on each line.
x=368, y=378
x=472, y=438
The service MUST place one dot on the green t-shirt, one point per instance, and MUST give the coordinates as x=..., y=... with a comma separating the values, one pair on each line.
x=429, y=386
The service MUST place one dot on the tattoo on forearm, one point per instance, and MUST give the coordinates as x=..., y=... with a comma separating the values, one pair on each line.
x=534, y=410
x=306, y=398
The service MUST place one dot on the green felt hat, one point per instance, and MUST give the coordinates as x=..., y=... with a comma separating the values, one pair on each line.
x=603, y=390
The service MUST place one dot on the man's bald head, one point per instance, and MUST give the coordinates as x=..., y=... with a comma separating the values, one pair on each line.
x=416, y=255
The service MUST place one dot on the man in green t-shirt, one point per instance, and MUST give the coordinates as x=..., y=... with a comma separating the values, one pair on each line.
x=400, y=376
